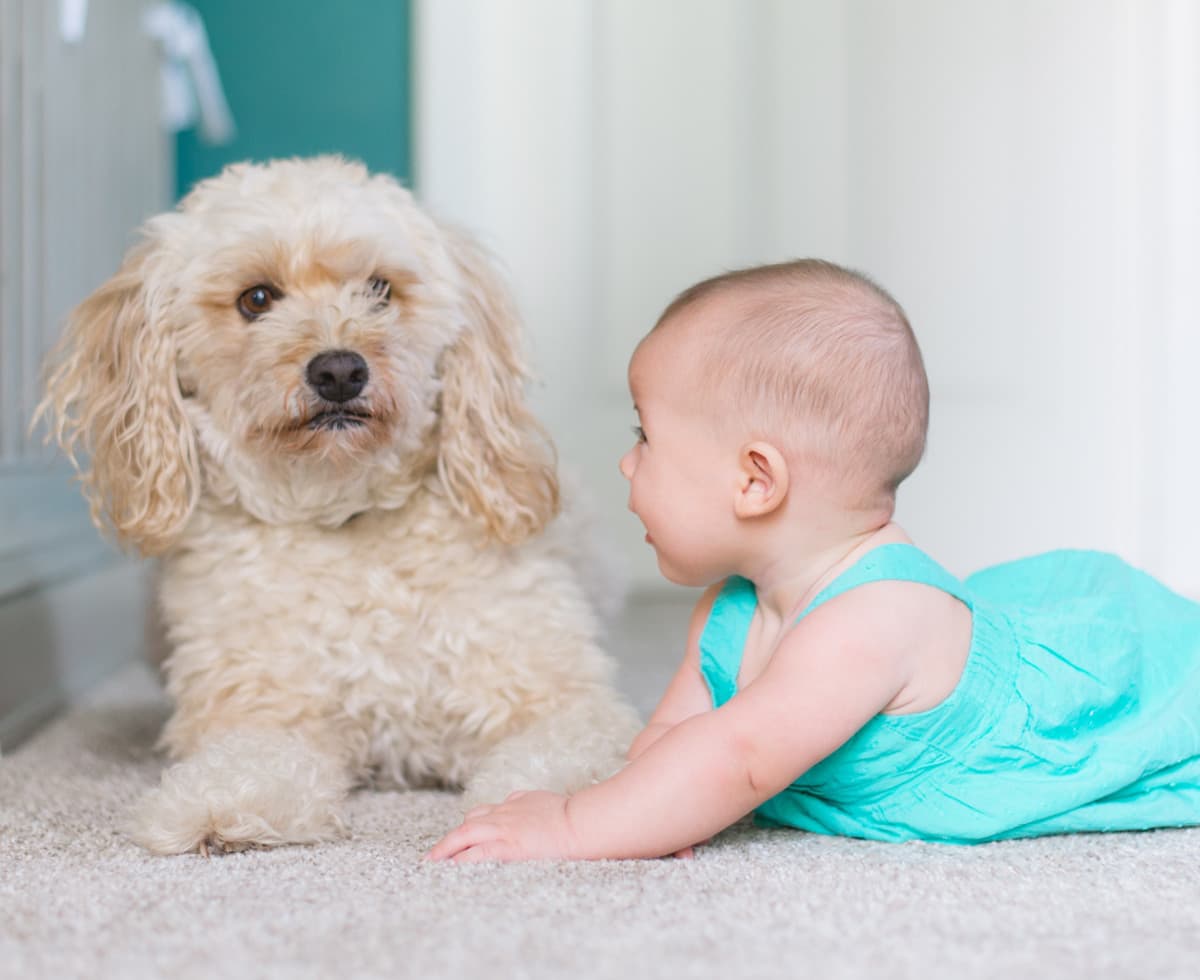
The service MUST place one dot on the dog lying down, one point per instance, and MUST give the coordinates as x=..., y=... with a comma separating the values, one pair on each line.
x=306, y=395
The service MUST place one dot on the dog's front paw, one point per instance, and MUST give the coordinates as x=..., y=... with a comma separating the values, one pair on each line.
x=241, y=790
x=563, y=752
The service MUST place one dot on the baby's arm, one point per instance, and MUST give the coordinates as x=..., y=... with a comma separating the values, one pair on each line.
x=687, y=694
x=828, y=677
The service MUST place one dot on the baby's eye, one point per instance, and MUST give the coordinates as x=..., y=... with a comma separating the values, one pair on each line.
x=640, y=433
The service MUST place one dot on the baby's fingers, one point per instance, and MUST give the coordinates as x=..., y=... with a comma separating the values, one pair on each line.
x=479, y=811
x=491, y=851
x=471, y=834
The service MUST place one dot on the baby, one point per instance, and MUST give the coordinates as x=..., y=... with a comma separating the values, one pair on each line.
x=836, y=678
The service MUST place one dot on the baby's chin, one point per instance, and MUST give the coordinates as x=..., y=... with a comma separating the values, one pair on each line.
x=688, y=578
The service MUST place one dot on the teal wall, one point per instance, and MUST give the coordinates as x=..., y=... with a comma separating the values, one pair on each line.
x=307, y=76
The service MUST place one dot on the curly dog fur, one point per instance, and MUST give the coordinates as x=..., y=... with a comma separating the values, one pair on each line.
x=307, y=396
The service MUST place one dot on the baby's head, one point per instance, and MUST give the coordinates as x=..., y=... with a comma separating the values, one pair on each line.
x=814, y=359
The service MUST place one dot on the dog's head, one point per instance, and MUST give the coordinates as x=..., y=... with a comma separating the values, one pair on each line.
x=301, y=339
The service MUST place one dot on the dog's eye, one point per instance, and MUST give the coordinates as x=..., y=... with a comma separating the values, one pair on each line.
x=255, y=301
x=380, y=288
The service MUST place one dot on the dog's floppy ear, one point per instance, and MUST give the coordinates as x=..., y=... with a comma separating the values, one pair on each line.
x=112, y=392
x=494, y=458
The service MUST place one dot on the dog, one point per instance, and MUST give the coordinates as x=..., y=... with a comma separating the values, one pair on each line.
x=305, y=394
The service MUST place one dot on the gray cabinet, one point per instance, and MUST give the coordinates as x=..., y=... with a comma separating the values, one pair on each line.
x=83, y=161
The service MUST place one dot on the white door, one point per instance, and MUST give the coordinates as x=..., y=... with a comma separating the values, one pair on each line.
x=1021, y=175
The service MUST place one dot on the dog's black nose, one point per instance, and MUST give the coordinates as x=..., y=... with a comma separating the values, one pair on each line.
x=337, y=375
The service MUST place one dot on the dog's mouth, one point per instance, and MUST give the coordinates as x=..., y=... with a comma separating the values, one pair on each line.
x=338, y=418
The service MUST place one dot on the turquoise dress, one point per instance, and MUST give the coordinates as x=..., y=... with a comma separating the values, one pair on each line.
x=1078, y=709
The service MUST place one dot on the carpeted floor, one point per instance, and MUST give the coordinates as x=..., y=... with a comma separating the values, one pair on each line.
x=79, y=900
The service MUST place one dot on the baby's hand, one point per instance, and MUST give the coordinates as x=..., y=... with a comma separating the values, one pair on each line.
x=526, y=826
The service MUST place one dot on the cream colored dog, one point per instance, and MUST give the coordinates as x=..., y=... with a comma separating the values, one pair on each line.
x=306, y=395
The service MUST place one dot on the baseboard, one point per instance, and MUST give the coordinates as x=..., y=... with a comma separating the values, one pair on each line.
x=58, y=641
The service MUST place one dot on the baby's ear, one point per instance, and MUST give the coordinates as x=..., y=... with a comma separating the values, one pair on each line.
x=112, y=393
x=762, y=480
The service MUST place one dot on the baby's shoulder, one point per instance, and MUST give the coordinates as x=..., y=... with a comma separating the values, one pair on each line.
x=890, y=608
x=920, y=631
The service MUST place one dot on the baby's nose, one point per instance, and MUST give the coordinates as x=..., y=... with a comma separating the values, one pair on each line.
x=625, y=465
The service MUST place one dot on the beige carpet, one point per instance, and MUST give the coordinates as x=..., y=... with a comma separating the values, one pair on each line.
x=79, y=900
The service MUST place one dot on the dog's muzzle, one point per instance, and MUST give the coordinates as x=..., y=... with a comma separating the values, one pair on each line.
x=337, y=375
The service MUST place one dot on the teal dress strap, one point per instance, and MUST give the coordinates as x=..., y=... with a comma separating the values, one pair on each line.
x=723, y=639
x=899, y=562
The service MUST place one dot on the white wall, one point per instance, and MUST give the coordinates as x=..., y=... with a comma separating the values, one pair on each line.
x=1021, y=175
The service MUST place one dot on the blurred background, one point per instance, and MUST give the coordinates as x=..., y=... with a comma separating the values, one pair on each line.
x=1021, y=174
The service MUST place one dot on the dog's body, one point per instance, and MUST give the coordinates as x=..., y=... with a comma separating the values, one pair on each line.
x=305, y=394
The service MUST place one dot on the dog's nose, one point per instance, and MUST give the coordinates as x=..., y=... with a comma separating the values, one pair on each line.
x=337, y=375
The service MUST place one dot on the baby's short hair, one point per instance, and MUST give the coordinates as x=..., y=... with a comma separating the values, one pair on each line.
x=824, y=360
